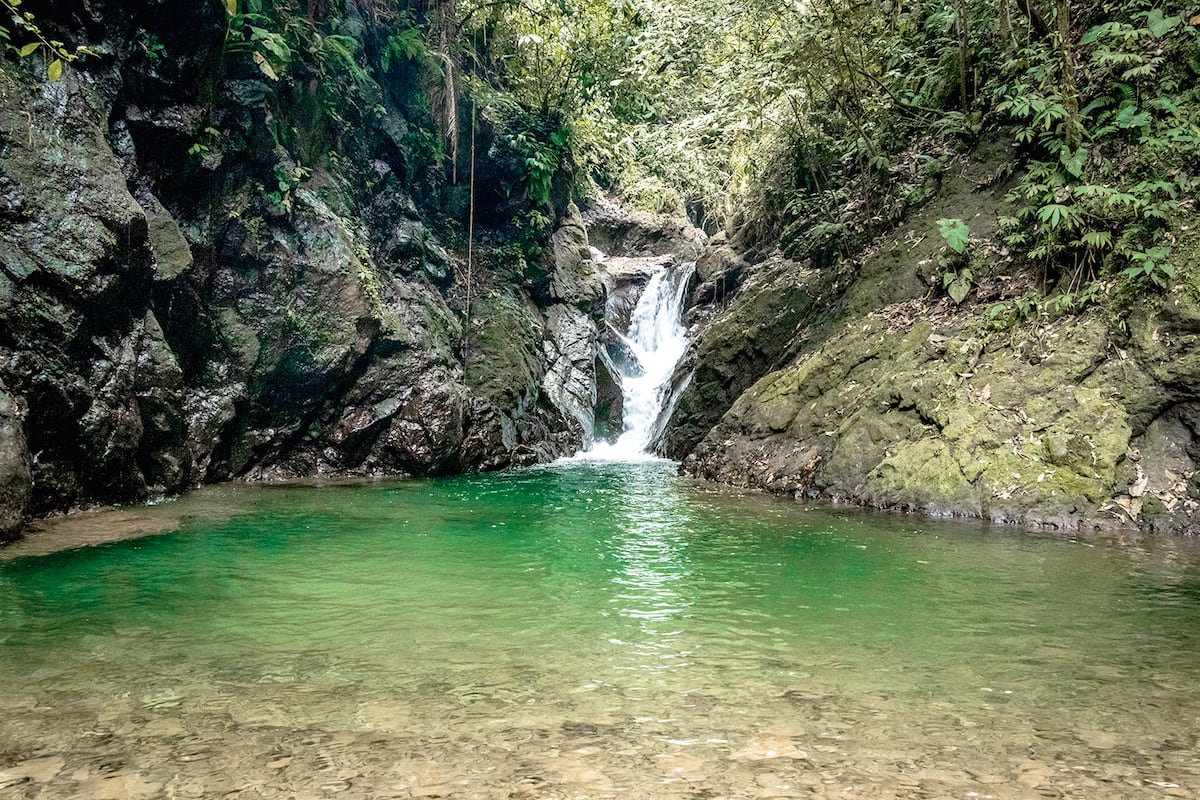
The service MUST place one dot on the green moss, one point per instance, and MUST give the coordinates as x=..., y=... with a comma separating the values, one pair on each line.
x=502, y=355
x=238, y=337
x=925, y=474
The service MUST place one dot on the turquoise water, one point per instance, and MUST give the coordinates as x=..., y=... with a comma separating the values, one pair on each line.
x=593, y=630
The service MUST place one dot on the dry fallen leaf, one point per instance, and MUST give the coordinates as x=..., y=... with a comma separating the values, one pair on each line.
x=1138, y=487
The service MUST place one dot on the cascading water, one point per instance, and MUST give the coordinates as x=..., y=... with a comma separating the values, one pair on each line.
x=645, y=363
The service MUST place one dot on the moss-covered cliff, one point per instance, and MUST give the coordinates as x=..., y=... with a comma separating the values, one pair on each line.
x=210, y=268
x=867, y=384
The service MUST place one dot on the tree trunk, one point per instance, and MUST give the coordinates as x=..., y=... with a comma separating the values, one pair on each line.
x=1072, y=130
x=1036, y=21
x=960, y=29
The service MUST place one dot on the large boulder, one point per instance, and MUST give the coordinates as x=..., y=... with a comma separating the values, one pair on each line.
x=900, y=415
x=570, y=380
x=617, y=229
x=754, y=333
x=574, y=278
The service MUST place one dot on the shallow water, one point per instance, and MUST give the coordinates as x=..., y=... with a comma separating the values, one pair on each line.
x=593, y=630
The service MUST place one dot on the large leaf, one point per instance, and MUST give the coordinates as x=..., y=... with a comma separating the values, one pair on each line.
x=265, y=67
x=958, y=290
x=955, y=232
x=1159, y=25
x=1074, y=161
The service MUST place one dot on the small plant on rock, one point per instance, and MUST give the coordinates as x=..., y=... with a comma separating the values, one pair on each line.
x=956, y=275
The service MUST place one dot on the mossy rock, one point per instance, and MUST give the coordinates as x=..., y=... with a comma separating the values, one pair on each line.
x=502, y=354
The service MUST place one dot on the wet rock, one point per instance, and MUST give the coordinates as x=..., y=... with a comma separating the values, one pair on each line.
x=168, y=698
x=72, y=217
x=615, y=228
x=862, y=388
x=508, y=421
x=123, y=786
x=171, y=251
x=719, y=272
x=610, y=401
x=873, y=416
x=490, y=438
x=502, y=355
x=733, y=350
x=15, y=476
x=9, y=780
x=163, y=454
x=768, y=746
x=624, y=279
x=422, y=425
x=190, y=295
x=570, y=380
x=679, y=765
x=575, y=277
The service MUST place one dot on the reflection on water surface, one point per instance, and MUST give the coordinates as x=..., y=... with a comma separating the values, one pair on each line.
x=592, y=630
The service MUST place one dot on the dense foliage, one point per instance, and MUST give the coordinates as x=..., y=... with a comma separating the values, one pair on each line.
x=816, y=124
x=820, y=124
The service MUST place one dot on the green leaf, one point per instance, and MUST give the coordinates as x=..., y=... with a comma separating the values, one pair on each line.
x=1073, y=162
x=29, y=48
x=1100, y=240
x=1129, y=117
x=958, y=290
x=955, y=232
x=1168, y=105
x=265, y=67
x=1052, y=213
x=54, y=71
x=231, y=7
x=1159, y=25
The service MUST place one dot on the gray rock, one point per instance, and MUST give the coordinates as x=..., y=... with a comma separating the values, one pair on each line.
x=616, y=229
x=172, y=254
x=575, y=277
x=624, y=278
x=15, y=476
x=570, y=380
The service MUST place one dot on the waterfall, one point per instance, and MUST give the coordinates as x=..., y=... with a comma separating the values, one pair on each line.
x=645, y=361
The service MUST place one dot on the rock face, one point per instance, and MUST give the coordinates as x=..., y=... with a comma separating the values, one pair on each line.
x=746, y=334
x=14, y=466
x=209, y=274
x=571, y=326
x=873, y=390
x=618, y=230
x=206, y=274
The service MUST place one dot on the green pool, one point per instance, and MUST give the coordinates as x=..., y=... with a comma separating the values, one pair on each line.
x=593, y=630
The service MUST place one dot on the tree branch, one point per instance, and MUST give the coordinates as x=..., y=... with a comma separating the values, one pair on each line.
x=903, y=105
x=1036, y=20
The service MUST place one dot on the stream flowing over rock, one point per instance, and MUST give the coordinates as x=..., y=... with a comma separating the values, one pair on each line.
x=208, y=274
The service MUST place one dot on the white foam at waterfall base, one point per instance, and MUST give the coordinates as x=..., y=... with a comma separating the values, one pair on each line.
x=657, y=339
